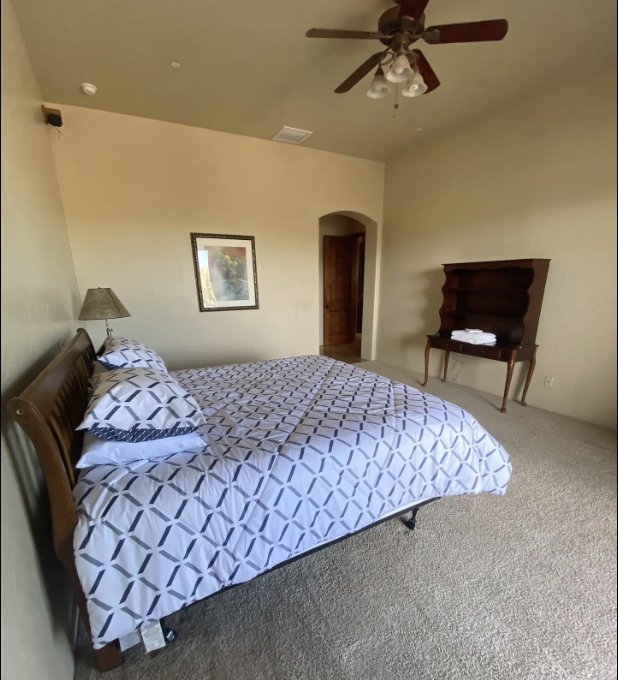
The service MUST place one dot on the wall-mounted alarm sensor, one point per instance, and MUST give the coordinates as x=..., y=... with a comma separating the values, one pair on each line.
x=89, y=89
x=52, y=117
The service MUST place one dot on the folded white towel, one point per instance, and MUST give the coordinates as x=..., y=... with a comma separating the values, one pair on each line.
x=477, y=341
x=473, y=332
x=475, y=338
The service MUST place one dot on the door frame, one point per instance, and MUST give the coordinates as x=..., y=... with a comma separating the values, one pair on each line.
x=361, y=263
x=373, y=252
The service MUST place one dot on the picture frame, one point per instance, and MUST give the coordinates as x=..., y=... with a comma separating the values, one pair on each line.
x=225, y=272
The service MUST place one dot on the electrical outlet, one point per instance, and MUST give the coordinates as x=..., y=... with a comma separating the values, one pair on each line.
x=549, y=381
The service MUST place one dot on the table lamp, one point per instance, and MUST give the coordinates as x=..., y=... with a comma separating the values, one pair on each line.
x=102, y=304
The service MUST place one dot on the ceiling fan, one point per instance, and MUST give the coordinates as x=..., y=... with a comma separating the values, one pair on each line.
x=399, y=29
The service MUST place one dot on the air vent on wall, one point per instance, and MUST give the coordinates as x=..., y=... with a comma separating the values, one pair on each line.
x=290, y=135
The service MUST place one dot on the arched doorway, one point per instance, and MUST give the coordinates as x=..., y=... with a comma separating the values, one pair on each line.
x=348, y=246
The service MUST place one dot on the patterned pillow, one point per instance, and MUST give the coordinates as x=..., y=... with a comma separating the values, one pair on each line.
x=138, y=405
x=124, y=353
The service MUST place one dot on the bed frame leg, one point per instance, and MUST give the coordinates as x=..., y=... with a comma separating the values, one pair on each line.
x=411, y=521
x=109, y=656
x=169, y=634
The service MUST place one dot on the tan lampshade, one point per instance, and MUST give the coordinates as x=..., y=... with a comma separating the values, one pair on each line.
x=100, y=304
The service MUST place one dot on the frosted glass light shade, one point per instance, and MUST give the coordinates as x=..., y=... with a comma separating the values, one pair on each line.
x=400, y=71
x=416, y=87
x=379, y=87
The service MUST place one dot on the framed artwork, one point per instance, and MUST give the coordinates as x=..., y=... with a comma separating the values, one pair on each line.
x=225, y=272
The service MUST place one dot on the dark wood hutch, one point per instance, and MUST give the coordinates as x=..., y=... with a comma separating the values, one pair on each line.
x=504, y=298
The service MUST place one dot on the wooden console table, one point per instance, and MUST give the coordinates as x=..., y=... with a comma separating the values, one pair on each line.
x=504, y=298
x=507, y=354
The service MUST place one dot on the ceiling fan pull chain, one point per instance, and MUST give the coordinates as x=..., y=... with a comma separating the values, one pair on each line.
x=396, y=109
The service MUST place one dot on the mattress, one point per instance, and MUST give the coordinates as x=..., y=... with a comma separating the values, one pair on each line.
x=298, y=453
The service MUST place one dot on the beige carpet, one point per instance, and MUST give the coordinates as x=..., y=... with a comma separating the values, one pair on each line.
x=488, y=588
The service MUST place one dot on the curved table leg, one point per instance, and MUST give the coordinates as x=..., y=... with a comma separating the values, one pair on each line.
x=427, y=353
x=529, y=379
x=446, y=362
x=509, y=380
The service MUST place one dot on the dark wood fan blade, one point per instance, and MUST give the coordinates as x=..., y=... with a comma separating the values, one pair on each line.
x=479, y=31
x=412, y=8
x=344, y=35
x=361, y=72
x=425, y=69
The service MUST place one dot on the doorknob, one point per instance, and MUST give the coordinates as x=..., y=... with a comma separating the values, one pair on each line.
x=327, y=307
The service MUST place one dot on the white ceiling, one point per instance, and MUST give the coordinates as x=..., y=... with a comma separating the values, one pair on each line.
x=248, y=69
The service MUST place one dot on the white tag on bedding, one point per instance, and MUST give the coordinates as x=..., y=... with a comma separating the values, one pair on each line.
x=153, y=638
x=131, y=640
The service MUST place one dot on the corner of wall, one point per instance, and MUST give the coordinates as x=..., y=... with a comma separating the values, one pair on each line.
x=39, y=291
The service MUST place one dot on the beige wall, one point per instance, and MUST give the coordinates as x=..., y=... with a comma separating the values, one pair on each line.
x=133, y=191
x=536, y=181
x=332, y=225
x=39, y=294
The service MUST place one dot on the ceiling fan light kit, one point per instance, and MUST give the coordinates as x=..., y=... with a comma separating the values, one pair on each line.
x=399, y=29
x=379, y=87
x=415, y=87
x=401, y=71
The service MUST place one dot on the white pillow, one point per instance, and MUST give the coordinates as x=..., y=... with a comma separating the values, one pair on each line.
x=103, y=452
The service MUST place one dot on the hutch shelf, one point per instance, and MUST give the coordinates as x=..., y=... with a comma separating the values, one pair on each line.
x=504, y=298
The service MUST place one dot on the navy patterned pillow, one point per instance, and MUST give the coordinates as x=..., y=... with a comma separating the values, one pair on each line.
x=125, y=353
x=139, y=405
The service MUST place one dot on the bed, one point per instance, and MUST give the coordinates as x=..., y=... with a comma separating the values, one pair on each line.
x=299, y=453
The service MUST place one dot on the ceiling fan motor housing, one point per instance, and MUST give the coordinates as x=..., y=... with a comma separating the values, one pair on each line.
x=390, y=24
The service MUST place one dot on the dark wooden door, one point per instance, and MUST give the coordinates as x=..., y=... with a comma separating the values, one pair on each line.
x=340, y=287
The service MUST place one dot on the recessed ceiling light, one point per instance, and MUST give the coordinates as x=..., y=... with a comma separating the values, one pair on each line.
x=175, y=64
x=419, y=129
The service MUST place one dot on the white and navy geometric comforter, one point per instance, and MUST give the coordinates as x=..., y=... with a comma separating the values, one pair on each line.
x=299, y=452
